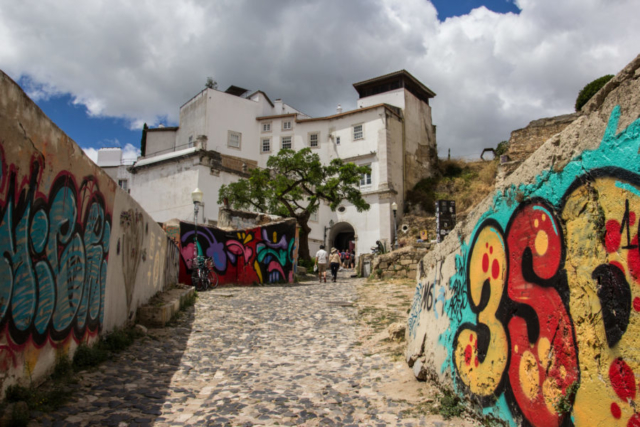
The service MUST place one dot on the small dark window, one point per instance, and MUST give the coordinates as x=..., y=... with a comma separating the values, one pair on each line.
x=342, y=209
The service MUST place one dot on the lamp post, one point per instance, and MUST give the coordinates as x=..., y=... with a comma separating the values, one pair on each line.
x=394, y=208
x=196, y=196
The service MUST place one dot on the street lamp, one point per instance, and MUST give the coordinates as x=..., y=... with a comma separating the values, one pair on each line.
x=394, y=208
x=196, y=196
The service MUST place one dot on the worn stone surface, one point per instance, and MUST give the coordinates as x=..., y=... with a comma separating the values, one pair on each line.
x=287, y=355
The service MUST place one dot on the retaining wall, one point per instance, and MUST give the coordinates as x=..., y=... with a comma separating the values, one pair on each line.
x=77, y=254
x=397, y=264
x=530, y=308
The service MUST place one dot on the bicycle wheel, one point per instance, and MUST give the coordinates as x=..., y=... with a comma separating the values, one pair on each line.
x=213, y=279
x=204, y=280
x=195, y=280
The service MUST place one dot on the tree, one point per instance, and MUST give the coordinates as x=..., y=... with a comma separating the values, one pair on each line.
x=293, y=184
x=502, y=148
x=211, y=84
x=143, y=141
x=591, y=89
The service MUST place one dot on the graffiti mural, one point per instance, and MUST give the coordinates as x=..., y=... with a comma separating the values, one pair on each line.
x=55, y=247
x=543, y=309
x=265, y=254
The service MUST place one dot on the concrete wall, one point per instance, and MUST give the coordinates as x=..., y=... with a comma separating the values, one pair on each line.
x=530, y=308
x=162, y=141
x=150, y=185
x=266, y=254
x=65, y=228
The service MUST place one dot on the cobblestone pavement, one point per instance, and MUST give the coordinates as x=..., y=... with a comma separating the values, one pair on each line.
x=273, y=355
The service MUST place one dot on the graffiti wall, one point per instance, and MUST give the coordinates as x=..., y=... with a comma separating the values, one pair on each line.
x=266, y=254
x=64, y=227
x=533, y=314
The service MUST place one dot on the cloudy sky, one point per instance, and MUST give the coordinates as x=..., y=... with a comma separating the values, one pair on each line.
x=100, y=69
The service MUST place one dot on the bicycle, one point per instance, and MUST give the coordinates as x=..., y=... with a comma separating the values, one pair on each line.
x=203, y=276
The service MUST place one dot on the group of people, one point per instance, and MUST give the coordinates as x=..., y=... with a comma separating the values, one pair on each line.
x=344, y=258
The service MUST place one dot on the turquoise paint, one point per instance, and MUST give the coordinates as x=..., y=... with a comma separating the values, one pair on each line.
x=627, y=187
x=616, y=149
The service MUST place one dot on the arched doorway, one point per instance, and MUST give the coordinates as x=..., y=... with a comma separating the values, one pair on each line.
x=342, y=236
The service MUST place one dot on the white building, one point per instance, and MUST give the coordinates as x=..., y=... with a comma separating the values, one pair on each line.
x=110, y=160
x=221, y=135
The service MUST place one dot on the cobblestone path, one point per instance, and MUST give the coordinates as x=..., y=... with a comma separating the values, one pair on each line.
x=274, y=355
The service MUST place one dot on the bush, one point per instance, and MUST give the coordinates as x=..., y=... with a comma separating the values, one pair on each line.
x=591, y=89
x=87, y=357
x=17, y=393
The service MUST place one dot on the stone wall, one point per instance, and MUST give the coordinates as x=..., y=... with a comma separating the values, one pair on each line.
x=530, y=308
x=77, y=254
x=397, y=264
x=526, y=141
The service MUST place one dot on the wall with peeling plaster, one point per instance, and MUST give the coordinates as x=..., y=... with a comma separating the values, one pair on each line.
x=530, y=308
x=77, y=254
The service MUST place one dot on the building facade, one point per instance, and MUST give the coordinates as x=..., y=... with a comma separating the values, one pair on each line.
x=222, y=135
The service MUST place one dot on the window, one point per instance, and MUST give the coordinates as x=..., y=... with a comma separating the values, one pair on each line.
x=365, y=178
x=190, y=140
x=358, y=132
x=286, y=142
x=123, y=184
x=266, y=145
x=314, y=217
x=314, y=139
x=286, y=125
x=234, y=139
x=337, y=140
x=266, y=127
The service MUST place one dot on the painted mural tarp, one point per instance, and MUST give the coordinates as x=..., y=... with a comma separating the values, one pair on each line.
x=266, y=254
x=539, y=323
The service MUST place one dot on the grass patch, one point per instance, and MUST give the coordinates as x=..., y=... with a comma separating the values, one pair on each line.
x=465, y=182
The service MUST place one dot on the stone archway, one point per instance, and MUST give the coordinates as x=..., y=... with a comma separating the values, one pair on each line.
x=342, y=236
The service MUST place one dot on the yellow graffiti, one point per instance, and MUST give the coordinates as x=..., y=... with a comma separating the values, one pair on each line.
x=487, y=266
x=601, y=228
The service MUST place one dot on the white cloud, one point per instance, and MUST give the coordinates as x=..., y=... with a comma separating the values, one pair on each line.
x=130, y=153
x=92, y=153
x=493, y=73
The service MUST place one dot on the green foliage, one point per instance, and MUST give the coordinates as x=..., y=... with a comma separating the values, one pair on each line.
x=143, y=141
x=306, y=263
x=87, y=357
x=211, y=84
x=17, y=393
x=591, y=89
x=63, y=369
x=502, y=148
x=293, y=184
x=19, y=417
x=450, y=405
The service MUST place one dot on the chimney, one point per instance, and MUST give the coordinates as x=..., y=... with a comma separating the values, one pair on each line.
x=278, y=105
x=339, y=109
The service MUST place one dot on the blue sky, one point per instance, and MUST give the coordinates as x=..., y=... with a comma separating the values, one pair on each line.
x=100, y=70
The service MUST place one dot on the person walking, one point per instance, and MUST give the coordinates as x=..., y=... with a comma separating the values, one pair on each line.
x=334, y=259
x=347, y=258
x=321, y=262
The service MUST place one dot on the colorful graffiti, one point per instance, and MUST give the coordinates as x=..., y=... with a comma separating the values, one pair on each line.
x=543, y=309
x=55, y=249
x=260, y=255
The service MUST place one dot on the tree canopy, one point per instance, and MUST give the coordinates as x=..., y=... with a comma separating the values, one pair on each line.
x=293, y=184
x=591, y=89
